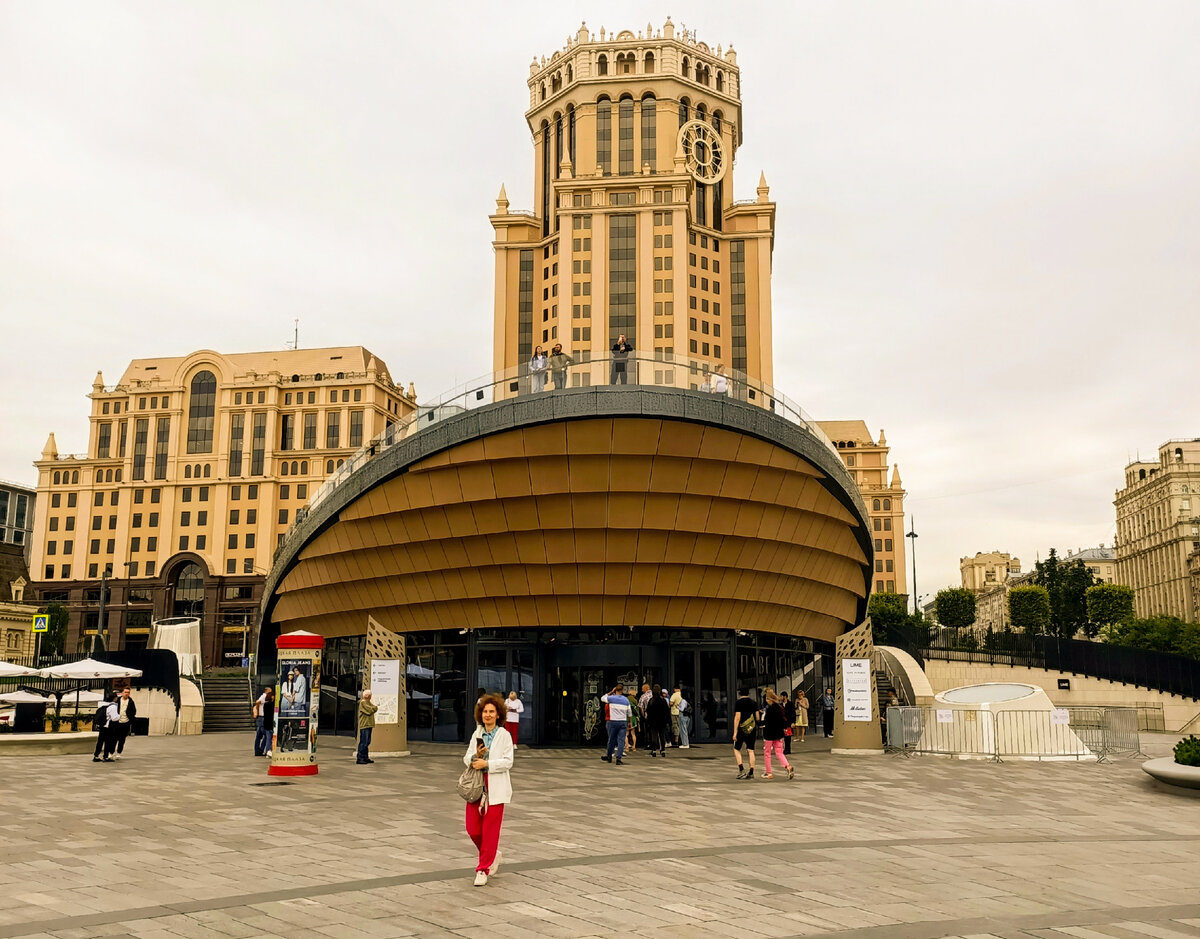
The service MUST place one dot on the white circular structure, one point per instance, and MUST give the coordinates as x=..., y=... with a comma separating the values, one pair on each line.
x=989, y=693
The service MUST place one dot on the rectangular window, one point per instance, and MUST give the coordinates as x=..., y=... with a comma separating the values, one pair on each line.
x=235, y=493
x=104, y=440
x=737, y=303
x=333, y=430
x=234, y=516
x=155, y=496
x=622, y=277
x=604, y=137
x=249, y=541
x=356, y=428
x=252, y=516
x=201, y=518
x=152, y=544
x=231, y=565
x=237, y=430
x=248, y=564
x=258, y=443
x=110, y=546
x=310, y=430
x=161, y=445
x=285, y=491
x=283, y=516
x=183, y=542
x=141, y=431
x=187, y=494
x=150, y=567
x=153, y=520
x=98, y=498
x=649, y=133
x=137, y=519
x=233, y=542
x=133, y=568
x=287, y=431
x=525, y=306
x=185, y=519
x=625, y=137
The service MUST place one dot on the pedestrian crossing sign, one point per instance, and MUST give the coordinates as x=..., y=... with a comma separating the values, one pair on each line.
x=41, y=622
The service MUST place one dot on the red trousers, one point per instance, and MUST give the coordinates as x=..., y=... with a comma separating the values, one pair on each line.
x=484, y=829
x=512, y=727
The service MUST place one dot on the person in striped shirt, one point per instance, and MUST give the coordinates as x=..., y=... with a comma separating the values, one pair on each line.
x=618, y=723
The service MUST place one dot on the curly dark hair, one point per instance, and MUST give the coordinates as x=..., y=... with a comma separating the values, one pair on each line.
x=493, y=699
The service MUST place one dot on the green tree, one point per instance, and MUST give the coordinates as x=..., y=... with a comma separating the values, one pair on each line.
x=1029, y=609
x=1107, y=605
x=1157, y=634
x=55, y=639
x=955, y=607
x=887, y=611
x=1067, y=585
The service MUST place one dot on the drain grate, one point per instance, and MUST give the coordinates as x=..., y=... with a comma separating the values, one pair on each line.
x=274, y=782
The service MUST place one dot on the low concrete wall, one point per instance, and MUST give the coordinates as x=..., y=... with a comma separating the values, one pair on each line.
x=46, y=744
x=191, y=709
x=1085, y=691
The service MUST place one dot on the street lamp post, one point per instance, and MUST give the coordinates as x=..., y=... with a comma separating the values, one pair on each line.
x=912, y=536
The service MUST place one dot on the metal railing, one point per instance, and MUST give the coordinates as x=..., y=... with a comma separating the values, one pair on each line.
x=661, y=372
x=1059, y=734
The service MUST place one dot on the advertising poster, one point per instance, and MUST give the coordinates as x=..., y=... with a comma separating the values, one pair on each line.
x=386, y=690
x=856, y=689
x=297, y=695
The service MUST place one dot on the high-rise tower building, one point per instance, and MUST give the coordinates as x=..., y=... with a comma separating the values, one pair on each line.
x=634, y=229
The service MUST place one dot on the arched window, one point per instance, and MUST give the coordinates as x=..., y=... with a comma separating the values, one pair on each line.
x=716, y=123
x=556, y=83
x=1179, y=454
x=57, y=477
x=340, y=462
x=295, y=378
x=201, y=409
x=649, y=62
x=604, y=136
x=684, y=70
x=1141, y=474
x=558, y=144
x=75, y=477
x=701, y=112
x=341, y=376
x=602, y=64
x=625, y=64
x=701, y=204
x=717, y=200
x=283, y=468
x=304, y=467
x=545, y=178
x=571, y=133
x=118, y=475
x=887, y=505
x=188, y=599
x=875, y=506
x=683, y=111
x=328, y=466
x=543, y=91
x=625, y=137
x=570, y=74
x=650, y=131
x=206, y=470
x=699, y=72
x=295, y=466
x=720, y=81
x=196, y=471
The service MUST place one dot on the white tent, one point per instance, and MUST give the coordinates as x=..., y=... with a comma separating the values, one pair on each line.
x=86, y=669
x=24, y=697
x=8, y=670
x=181, y=635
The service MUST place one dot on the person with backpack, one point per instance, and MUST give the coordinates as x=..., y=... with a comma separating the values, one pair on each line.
x=105, y=724
x=745, y=732
x=789, y=713
x=658, y=721
x=775, y=724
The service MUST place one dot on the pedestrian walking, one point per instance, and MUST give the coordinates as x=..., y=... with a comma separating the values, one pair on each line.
x=620, y=360
x=490, y=749
x=635, y=720
x=537, y=368
x=268, y=712
x=801, y=723
x=676, y=697
x=104, y=723
x=127, y=711
x=262, y=732
x=827, y=708
x=685, y=723
x=366, y=726
x=618, y=723
x=559, y=361
x=514, y=707
x=789, y=729
x=774, y=726
x=745, y=733
x=658, y=721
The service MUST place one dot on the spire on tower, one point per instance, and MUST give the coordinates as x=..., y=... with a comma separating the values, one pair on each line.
x=50, y=450
x=896, y=484
x=502, y=201
x=764, y=192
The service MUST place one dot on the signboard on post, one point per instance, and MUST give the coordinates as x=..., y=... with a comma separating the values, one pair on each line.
x=856, y=689
x=41, y=622
x=386, y=690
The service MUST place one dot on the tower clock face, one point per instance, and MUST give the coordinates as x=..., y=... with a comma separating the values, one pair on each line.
x=702, y=151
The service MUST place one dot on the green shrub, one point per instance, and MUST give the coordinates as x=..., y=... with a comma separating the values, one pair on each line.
x=1187, y=752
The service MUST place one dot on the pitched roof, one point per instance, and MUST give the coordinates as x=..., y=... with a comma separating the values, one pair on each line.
x=12, y=566
x=285, y=361
x=847, y=430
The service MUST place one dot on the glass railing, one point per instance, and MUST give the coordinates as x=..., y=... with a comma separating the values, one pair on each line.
x=664, y=373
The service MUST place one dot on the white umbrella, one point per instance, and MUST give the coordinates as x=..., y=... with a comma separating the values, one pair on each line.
x=86, y=669
x=8, y=670
x=24, y=697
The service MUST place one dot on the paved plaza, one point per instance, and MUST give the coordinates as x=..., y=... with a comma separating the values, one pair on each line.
x=188, y=837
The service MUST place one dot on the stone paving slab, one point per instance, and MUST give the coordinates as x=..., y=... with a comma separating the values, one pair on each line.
x=180, y=839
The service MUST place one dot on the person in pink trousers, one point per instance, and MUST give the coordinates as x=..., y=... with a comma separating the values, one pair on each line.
x=775, y=724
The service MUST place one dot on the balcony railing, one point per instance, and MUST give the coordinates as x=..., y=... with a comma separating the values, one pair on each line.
x=665, y=373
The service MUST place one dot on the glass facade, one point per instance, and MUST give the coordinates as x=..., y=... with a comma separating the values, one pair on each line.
x=161, y=446
x=141, y=433
x=258, y=443
x=525, y=306
x=201, y=410
x=310, y=430
x=650, y=131
x=604, y=136
x=625, y=137
x=341, y=685
x=622, y=277
x=237, y=429
x=104, y=440
x=545, y=179
x=737, y=303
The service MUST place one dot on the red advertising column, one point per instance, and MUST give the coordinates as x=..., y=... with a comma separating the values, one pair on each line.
x=297, y=696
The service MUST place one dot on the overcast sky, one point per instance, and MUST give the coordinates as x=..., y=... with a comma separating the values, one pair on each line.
x=988, y=216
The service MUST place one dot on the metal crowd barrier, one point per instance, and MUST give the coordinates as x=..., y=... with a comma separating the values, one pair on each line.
x=1060, y=734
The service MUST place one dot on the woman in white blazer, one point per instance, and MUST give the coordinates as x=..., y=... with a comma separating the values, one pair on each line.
x=491, y=750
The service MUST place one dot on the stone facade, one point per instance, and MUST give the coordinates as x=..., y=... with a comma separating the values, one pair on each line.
x=983, y=572
x=1158, y=527
x=16, y=610
x=195, y=468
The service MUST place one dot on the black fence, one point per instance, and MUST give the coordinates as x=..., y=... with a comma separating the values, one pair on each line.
x=1160, y=671
x=159, y=668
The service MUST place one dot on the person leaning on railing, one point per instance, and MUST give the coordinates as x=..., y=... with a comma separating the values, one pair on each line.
x=559, y=361
x=620, y=358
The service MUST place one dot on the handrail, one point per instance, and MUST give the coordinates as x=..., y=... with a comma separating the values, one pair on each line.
x=660, y=371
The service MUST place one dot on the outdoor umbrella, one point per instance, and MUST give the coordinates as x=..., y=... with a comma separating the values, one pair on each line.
x=86, y=670
x=23, y=697
x=8, y=670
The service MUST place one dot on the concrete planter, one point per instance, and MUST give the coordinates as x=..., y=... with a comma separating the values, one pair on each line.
x=1167, y=772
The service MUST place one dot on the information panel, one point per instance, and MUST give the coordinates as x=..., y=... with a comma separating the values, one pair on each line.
x=385, y=690
x=856, y=689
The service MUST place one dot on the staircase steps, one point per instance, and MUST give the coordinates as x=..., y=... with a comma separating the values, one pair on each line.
x=227, y=705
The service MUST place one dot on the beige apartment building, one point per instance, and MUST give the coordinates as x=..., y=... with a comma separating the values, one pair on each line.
x=986, y=571
x=634, y=228
x=195, y=467
x=1158, y=528
x=867, y=462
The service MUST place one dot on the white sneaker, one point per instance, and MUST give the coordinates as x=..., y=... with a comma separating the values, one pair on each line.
x=686, y=746
x=495, y=863
x=268, y=754
x=480, y=879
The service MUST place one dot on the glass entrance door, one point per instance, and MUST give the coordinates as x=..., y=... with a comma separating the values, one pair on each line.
x=501, y=670
x=703, y=677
